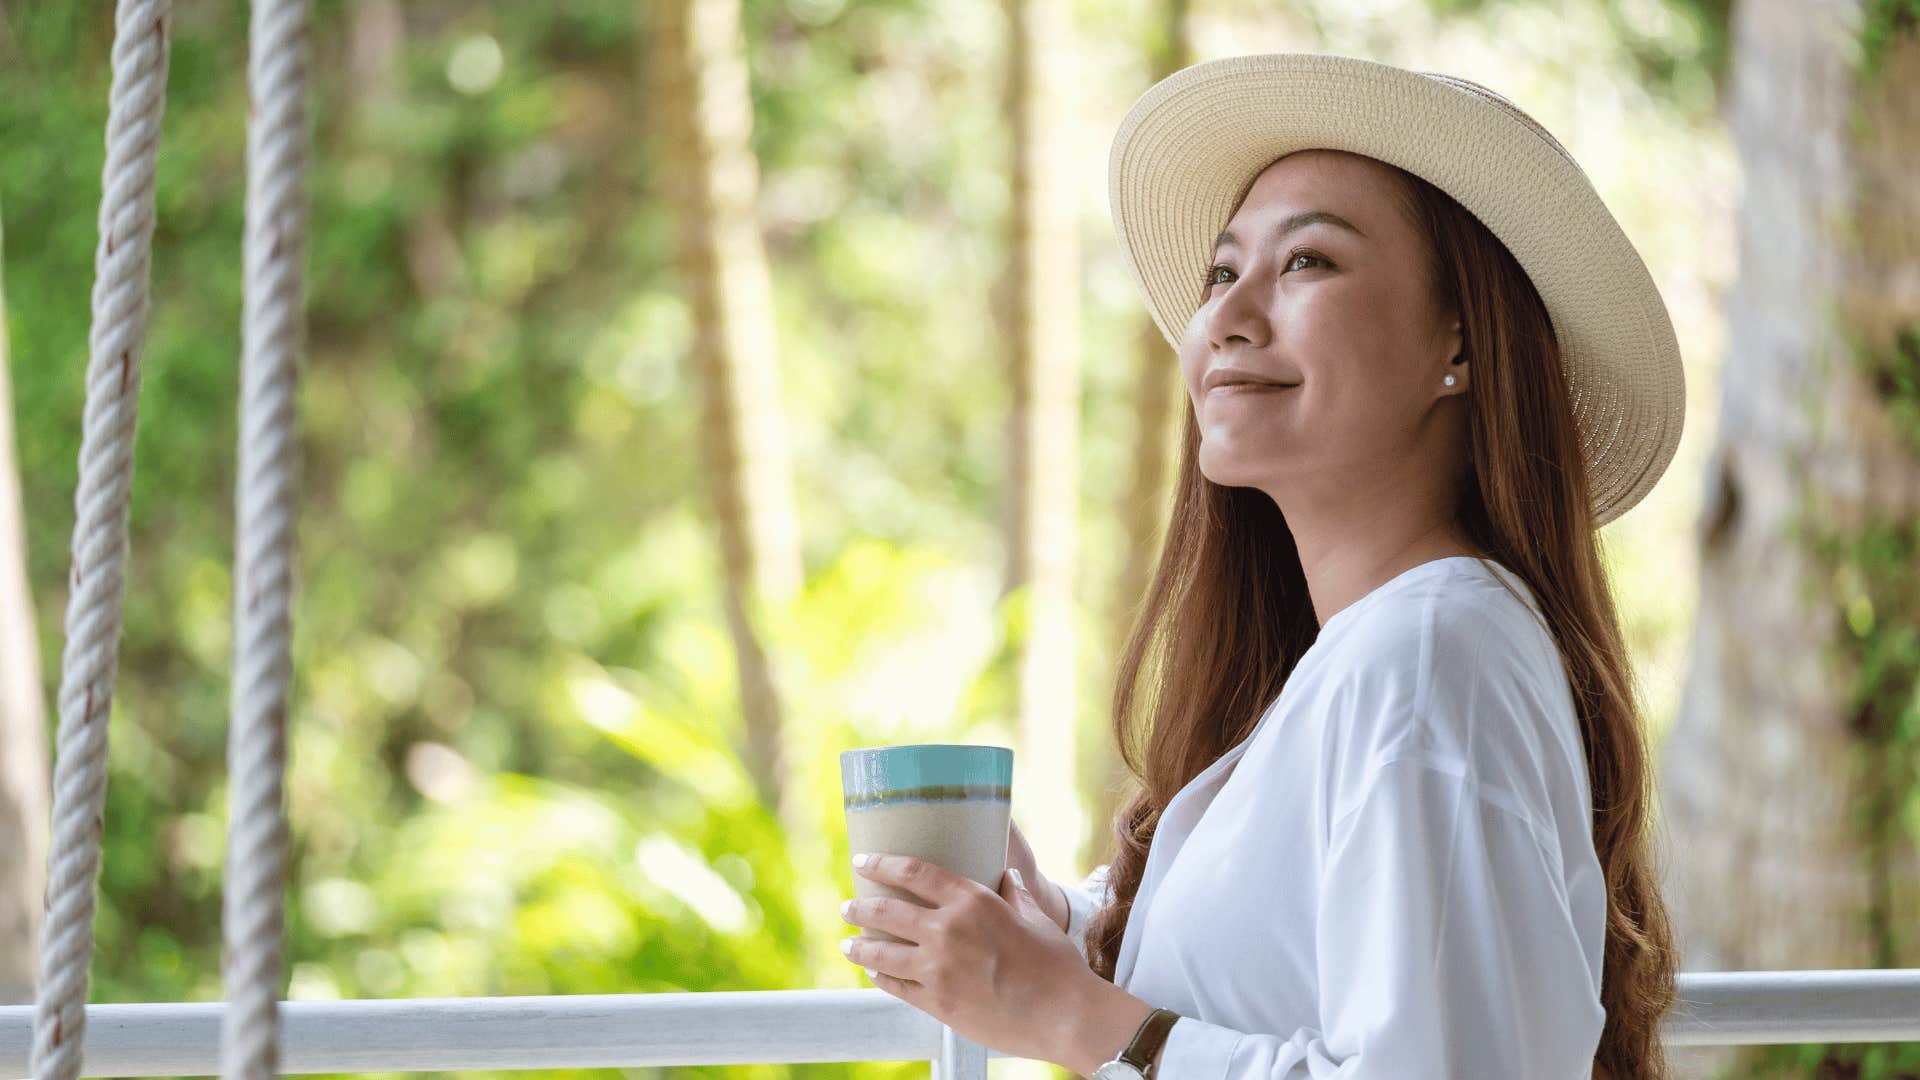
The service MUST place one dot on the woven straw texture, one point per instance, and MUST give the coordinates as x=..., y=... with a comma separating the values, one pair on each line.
x=1192, y=145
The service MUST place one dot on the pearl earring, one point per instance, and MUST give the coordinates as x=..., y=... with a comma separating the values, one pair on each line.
x=1449, y=380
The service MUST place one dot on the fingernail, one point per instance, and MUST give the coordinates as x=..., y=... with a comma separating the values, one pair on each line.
x=846, y=946
x=844, y=905
x=869, y=972
x=1017, y=883
x=861, y=859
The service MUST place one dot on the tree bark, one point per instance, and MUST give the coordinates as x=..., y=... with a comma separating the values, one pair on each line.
x=1043, y=290
x=1775, y=791
x=23, y=722
x=706, y=123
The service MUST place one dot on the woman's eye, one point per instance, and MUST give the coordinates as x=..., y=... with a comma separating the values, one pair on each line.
x=1213, y=272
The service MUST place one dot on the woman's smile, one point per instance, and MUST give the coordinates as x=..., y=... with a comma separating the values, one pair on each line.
x=1245, y=388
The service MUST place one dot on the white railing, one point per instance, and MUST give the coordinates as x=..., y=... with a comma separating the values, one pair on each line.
x=795, y=1026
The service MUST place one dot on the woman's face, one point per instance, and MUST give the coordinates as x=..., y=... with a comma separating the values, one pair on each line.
x=1323, y=285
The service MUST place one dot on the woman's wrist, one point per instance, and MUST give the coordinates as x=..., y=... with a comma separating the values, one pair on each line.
x=1106, y=1020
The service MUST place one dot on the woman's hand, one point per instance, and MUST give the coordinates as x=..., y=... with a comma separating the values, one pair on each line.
x=992, y=966
x=1020, y=857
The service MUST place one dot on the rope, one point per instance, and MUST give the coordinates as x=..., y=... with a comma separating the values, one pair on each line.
x=271, y=334
x=97, y=579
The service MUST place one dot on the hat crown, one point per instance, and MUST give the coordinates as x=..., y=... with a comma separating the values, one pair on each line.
x=1512, y=110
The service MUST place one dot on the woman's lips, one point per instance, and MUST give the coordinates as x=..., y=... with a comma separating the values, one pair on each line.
x=1233, y=389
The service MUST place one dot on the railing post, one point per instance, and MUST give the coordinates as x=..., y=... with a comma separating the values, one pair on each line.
x=960, y=1058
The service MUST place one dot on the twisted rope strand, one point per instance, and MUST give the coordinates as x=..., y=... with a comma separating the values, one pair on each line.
x=97, y=580
x=253, y=915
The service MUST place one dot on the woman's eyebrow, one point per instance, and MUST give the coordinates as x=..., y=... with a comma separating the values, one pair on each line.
x=1292, y=223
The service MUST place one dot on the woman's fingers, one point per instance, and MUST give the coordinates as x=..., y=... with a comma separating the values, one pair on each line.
x=901, y=918
x=887, y=957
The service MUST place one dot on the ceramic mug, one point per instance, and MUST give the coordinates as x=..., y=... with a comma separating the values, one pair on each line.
x=948, y=803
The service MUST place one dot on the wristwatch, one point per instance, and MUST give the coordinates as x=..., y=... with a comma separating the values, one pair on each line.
x=1136, y=1061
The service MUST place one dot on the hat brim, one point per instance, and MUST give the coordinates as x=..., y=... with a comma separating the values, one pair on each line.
x=1192, y=144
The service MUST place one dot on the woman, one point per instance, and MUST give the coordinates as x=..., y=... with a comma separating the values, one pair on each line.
x=1395, y=793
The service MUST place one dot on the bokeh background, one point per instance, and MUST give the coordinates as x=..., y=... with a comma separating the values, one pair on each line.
x=595, y=299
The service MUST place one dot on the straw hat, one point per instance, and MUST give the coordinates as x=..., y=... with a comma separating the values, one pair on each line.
x=1189, y=149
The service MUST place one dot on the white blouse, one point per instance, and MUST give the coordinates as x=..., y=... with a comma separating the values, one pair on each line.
x=1399, y=879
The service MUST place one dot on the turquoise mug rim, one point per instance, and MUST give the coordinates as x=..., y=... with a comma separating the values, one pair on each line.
x=939, y=772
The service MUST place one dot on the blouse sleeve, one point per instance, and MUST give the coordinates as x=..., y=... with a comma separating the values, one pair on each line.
x=1083, y=899
x=1446, y=949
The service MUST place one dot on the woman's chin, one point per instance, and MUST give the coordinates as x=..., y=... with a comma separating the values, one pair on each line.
x=1229, y=469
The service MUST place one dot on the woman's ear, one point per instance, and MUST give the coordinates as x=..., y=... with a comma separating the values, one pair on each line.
x=1450, y=342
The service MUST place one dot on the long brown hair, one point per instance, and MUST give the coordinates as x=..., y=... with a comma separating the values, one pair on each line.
x=1227, y=616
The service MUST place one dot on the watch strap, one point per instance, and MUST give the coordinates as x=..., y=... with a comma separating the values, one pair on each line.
x=1148, y=1039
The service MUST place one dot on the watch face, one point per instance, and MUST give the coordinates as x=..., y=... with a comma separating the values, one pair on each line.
x=1118, y=1070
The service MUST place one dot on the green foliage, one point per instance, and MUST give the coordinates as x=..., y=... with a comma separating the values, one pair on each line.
x=1671, y=43
x=1894, y=375
x=1670, y=61
x=1881, y=23
x=514, y=768
x=1840, y=1061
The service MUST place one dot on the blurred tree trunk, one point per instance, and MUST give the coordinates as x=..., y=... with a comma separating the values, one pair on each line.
x=706, y=123
x=1794, y=753
x=376, y=42
x=23, y=720
x=1158, y=398
x=1042, y=287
